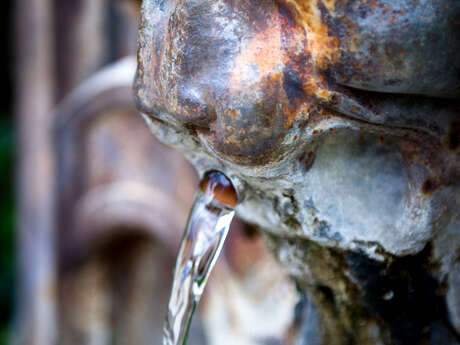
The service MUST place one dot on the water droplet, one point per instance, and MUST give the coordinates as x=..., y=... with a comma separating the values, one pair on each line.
x=389, y=295
x=220, y=187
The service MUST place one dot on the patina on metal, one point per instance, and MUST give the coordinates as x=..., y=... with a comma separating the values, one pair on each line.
x=339, y=123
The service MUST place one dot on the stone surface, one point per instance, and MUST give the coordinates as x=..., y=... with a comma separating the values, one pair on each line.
x=249, y=300
x=339, y=123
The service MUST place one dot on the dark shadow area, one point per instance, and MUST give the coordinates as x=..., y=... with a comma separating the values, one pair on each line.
x=6, y=173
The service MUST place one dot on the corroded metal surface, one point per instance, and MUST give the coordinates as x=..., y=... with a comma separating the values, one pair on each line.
x=246, y=76
x=252, y=88
x=339, y=124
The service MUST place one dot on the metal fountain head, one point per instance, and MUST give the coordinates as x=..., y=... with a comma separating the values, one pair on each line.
x=338, y=121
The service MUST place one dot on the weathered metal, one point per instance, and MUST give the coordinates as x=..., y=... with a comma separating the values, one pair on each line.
x=339, y=124
x=247, y=76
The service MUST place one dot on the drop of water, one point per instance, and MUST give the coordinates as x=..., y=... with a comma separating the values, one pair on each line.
x=204, y=236
x=389, y=295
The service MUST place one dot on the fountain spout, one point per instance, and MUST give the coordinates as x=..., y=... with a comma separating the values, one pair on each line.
x=340, y=121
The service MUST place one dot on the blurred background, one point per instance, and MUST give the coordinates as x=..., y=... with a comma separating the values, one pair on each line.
x=93, y=206
x=7, y=209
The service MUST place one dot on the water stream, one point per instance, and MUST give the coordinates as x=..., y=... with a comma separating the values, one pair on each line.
x=204, y=236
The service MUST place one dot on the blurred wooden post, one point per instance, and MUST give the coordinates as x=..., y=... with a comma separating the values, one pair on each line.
x=35, y=319
x=90, y=34
x=82, y=41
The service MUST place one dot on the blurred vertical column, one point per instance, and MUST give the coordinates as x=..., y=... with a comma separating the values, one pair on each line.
x=82, y=41
x=89, y=35
x=35, y=88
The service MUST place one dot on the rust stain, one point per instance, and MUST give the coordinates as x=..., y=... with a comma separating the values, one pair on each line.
x=261, y=55
x=323, y=47
x=265, y=55
x=429, y=186
x=290, y=114
x=314, y=85
x=233, y=113
x=329, y=4
x=309, y=160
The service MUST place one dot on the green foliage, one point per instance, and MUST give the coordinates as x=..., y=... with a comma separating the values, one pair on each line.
x=4, y=335
x=6, y=228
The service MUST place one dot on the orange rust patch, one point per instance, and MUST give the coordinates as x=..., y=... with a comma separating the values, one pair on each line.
x=264, y=56
x=233, y=113
x=329, y=4
x=290, y=113
x=314, y=85
x=428, y=187
x=262, y=52
x=323, y=47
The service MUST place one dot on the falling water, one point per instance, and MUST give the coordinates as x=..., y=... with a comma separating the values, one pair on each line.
x=204, y=236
